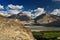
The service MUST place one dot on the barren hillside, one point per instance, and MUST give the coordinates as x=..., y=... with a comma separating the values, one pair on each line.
x=12, y=29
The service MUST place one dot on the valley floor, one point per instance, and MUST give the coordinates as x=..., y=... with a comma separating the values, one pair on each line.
x=43, y=28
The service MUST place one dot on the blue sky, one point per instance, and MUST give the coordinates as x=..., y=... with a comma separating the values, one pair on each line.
x=30, y=7
x=49, y=5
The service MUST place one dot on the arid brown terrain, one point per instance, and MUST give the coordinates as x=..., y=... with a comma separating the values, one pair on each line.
x=12, y=29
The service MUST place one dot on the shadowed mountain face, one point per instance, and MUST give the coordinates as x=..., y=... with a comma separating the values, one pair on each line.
x=54, y=23
x=21, y=16
x=48, y=19
x=12, y=29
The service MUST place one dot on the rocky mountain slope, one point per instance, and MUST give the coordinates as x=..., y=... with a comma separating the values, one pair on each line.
x=21, y=16
x=25, y=19
x=48, y=19
x=12, y=29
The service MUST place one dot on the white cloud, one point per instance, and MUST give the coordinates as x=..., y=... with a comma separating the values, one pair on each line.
x=39, y=11
x=28, y=13
x=11, y=9
x=16, y=7
x=4, y=13
x=1, y=7
x=14, y=11
x=9, y=12
x=56, y=12
x=34, y=13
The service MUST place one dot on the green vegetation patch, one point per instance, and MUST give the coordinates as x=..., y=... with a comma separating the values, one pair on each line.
x=46, y=34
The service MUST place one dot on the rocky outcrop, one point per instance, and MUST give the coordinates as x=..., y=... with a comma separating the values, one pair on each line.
x=12, y=29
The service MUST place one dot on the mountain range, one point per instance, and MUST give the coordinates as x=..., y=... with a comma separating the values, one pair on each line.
x=44, y=19
x=21, y=16
x=48, y=19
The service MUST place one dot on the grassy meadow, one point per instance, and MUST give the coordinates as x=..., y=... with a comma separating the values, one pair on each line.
x=47, y=35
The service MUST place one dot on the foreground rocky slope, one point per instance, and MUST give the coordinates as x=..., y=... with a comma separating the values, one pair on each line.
x=12, y=29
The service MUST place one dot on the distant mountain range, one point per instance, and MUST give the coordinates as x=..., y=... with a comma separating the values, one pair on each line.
x=44, y=19
x=21, y=16
x=48, y=19
x=25, y=19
